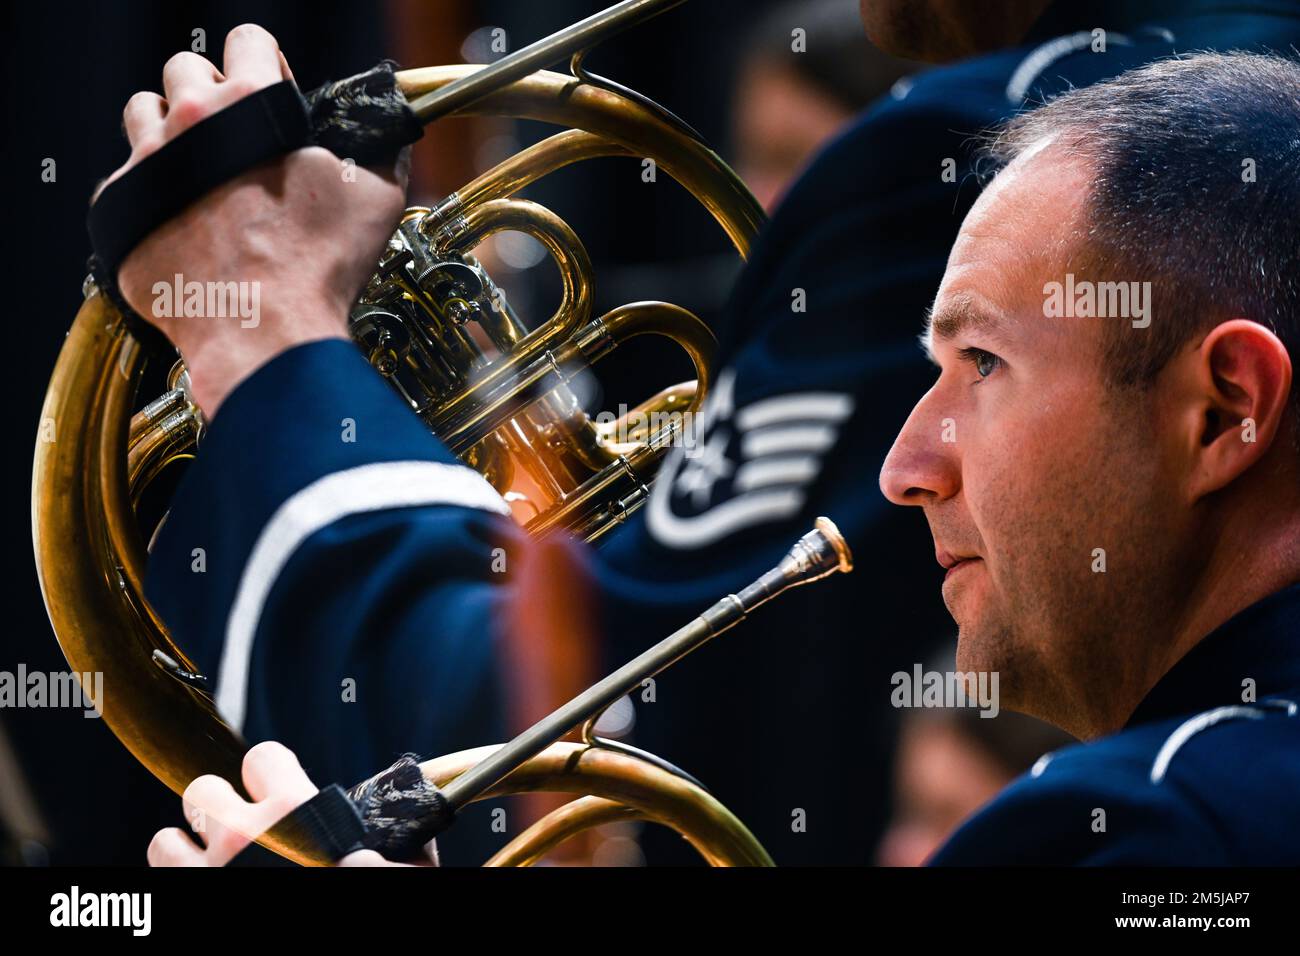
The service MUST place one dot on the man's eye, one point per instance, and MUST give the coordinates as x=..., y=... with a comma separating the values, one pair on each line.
x=984, y=362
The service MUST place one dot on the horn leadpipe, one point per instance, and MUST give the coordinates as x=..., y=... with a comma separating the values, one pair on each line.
x=537, y=56
x=819, y=553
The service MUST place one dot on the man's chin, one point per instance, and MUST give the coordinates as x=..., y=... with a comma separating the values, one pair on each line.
x=983, y=639
x=972, y=651
x=989, y=646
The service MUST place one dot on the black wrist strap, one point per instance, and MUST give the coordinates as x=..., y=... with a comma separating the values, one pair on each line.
x=364, y=118
x=326, y=825
x=266, y=124
x=396, y=813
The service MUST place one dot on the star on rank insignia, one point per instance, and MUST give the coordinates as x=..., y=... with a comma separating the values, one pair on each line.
x=745, y=466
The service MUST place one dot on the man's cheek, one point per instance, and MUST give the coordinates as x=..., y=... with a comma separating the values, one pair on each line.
x=1005, y=505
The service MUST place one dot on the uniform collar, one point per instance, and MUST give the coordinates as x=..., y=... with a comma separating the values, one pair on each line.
x=1067, y=16
x=1261, y=643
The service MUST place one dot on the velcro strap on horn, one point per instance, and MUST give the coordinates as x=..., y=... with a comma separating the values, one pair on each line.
x=402, y=810
x=364, y=118
x=396, y=813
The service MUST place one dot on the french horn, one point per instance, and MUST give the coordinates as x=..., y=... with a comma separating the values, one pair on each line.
x=498, y=398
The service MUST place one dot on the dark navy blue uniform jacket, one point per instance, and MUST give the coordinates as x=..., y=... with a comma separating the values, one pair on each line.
x=1205, y=772
x=368, y=564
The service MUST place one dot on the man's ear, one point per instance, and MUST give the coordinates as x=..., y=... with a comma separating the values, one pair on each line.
x=1242, y=376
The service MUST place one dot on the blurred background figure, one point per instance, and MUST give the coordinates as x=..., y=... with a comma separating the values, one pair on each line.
x=782, y=103
x=786, y=104
x=950, y=762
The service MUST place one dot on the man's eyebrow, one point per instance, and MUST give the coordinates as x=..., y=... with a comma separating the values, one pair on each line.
x=959, y=314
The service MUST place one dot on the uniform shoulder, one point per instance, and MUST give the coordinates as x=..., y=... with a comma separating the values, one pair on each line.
x=1202, y=789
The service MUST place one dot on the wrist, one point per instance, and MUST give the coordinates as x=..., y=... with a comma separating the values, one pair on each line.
x=219, y=360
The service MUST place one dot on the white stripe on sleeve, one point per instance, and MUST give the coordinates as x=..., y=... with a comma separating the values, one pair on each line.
x=366, y=488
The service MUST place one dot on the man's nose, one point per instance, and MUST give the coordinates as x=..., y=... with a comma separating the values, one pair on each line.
x=924, y=464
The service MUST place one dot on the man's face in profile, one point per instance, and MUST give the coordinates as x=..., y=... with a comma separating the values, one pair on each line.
x=1040, y=481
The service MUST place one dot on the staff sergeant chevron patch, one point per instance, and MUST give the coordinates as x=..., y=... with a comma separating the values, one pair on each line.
x=749, y=466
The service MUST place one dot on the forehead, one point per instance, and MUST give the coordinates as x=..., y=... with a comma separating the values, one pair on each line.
x=1026, y=230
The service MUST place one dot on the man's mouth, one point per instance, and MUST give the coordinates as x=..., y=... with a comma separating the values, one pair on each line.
x=953, y=563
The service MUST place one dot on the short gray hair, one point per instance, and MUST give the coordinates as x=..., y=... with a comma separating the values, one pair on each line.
x=1196, y=187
